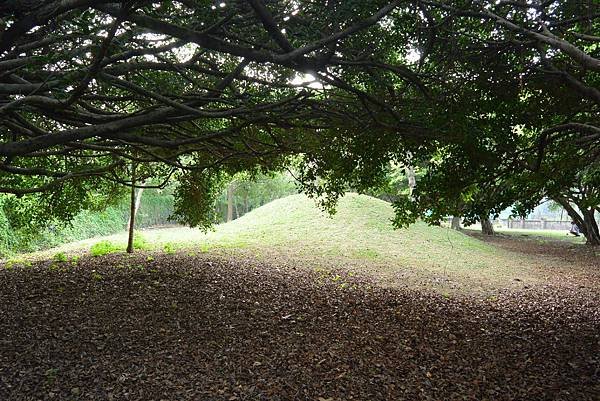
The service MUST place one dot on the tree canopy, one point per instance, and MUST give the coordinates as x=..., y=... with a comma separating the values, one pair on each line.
x=494, y=98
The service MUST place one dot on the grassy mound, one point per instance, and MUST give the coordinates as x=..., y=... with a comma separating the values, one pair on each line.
x=361, y=229
x=359, y=237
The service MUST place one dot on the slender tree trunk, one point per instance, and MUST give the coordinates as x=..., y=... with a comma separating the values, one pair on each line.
x=455, y=225
x=412, y=179
x=246, y=202
x=138, y=202
x=230, y=190
x=486, y=226
x=132, y=210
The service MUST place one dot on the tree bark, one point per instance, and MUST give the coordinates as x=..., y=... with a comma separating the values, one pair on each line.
x=138, y=202
x=230, y=190
x=132, y=209
x=412, y=179
x=586, y=221
x=486, y=226
x=590, y=228
x=455, y=225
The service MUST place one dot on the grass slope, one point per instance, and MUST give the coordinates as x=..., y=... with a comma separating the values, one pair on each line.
x=359, y=237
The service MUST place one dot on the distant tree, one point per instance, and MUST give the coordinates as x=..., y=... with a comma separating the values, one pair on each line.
x=487, y=227
x=246, y=192
x=455, y=223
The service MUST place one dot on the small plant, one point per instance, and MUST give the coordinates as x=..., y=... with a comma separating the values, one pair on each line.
x=60, y=257
x=149, y=258
x=104, y=248
x=16, y=262
x=139, y=242
x=54, y=267
x=169, y=248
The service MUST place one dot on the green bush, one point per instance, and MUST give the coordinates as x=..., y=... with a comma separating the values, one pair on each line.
x=169, y=248
x=155, y=209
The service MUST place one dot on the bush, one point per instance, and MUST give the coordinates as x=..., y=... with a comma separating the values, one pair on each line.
x=155, y=209
x=6, y=236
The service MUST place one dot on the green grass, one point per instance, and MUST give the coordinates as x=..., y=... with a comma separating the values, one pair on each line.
x=359, y=237
x=543, y=234
x=60, y=257
x=104, y=248
x=539, y=235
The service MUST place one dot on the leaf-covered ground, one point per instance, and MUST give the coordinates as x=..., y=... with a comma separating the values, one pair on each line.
x=181, y=327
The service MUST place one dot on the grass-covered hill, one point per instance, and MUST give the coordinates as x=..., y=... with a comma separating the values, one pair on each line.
x=359, y=237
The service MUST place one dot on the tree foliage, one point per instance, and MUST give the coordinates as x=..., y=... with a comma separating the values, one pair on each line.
x=499, y=101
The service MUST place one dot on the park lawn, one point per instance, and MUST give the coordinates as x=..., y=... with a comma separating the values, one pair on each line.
x=537, y=235
x=359, y=239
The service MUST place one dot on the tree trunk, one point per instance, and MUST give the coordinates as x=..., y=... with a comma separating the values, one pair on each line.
x=455, y=225
x=590, y=228
x=138, y=202
x=486, y=226
x=132, y=210
x=246, y=202
x=230, y=190
x=585, y=221
x=412, y=179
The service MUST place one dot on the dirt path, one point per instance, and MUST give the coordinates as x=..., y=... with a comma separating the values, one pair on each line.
x=560, y=262
x=176, y=327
